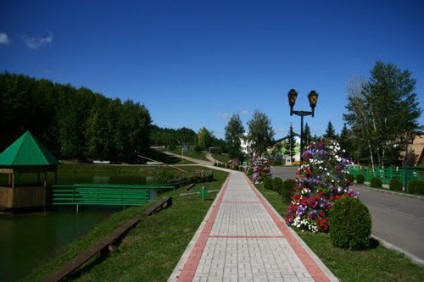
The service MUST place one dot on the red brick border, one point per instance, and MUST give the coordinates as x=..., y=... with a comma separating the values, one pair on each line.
x=313, y=269
x=190, y=267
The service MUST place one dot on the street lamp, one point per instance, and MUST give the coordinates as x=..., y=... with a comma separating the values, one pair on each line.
x=313, y=99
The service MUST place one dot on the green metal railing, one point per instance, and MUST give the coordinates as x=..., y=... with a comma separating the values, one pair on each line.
x=388, y=173
x=103, y=194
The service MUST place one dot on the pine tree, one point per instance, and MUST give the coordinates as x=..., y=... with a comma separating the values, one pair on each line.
x=384, y=113
x=307, y=135
x=291, y=143
x=345, y=142
x=233, y=131
x=330, y=133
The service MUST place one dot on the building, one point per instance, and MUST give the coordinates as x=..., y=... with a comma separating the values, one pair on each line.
x=245, y=143
x=417, y=147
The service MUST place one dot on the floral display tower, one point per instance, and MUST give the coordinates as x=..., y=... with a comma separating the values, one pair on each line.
x=320, y=181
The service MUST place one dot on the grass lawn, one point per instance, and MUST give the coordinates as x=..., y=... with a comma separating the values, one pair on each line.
x=376, y=264
x=151, y=250
x=193, y=154
x=220, y=157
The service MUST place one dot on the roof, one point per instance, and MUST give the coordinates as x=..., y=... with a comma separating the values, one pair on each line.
x=27, y=151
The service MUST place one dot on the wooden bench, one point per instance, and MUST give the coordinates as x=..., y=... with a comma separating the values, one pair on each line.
x=191, y=185
x=159, y=205
x=102, y=248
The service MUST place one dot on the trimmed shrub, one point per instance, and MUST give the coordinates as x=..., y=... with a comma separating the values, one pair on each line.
x=360, y=179
x=350, y=224
x=277, y=184
x=277, y=162
x=350, y=177
x=376, y=182
x=288, y=185
x=416, y=187
x=395, y=184
x=249, y=172
x=268, y=183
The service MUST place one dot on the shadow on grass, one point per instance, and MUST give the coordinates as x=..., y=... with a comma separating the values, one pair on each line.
x=374, y=243
x=162, y=157
x=91, y=264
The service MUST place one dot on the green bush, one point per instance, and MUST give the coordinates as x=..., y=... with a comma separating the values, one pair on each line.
x=287, y=187
x=350, y=177
x=277, y=162
x=198, y=149
x=395, y=184
x=350, y=224
x=360, y=179
x=416, y=187
x=268, y=183
x=249, y=172
x=277, y=184
x=376, y=182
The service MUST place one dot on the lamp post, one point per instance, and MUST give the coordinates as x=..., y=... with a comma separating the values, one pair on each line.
x=313, y=99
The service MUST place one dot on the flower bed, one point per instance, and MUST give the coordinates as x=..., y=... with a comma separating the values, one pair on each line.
x=320, y=181
x=261, y=168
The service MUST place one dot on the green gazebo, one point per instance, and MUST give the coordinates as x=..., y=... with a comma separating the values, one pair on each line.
x=26, y=155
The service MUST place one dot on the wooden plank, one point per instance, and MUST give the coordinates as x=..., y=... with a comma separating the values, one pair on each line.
x=161, y=204
x=102, y=246
x=191, y=185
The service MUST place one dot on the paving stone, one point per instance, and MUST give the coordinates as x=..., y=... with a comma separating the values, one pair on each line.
x=245, y=243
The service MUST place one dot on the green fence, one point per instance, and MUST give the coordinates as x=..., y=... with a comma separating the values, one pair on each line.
x=103, y=194
x=388, y=173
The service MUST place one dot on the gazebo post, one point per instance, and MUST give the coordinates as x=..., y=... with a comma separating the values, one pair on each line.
x=45, y=191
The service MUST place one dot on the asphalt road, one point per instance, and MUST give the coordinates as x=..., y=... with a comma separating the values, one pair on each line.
x=397, y=220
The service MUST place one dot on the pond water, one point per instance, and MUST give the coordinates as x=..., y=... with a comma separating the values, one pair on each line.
x=26, y=240
x=30, y=239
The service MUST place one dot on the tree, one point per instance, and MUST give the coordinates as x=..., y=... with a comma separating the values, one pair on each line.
x=384, y=113
x=233, y=130
x=71, y=123
x=204, y=138
x=133, y=128
x=330, y=133
x=345, y=141
x=260, y=132
x=72, y=119
x=361, y=133
x=100, y=130
x=291, y=143
x=307, y=135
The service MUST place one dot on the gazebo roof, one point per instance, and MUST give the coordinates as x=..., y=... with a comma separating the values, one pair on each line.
x=27, y=151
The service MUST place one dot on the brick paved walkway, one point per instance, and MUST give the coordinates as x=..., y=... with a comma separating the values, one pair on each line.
x=242, y=238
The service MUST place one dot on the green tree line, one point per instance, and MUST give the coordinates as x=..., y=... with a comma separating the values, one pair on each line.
x=74, y=123
x=172, y=138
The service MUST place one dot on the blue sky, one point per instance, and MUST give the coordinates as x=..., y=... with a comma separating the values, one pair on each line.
x=195, y=63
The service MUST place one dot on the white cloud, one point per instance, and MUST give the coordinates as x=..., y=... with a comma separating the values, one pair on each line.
x=228, y=116
x=4, y=39
x=224, y=115
x=34, y=42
